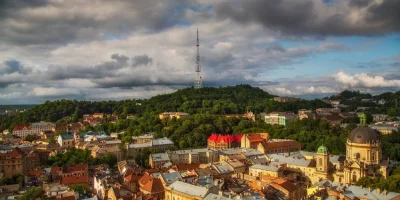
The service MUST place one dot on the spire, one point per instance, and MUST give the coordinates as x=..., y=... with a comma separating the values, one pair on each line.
x=198, y=82
x=363, y=119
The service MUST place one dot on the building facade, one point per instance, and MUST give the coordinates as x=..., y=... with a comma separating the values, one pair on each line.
x=12, y=162
x=280, y=118
x=217, y=141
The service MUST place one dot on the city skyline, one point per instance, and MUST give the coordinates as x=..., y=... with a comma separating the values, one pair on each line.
x=113, y=50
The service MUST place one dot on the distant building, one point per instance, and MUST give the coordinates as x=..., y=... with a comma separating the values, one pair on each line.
x=253, y=139
x=280, y=118
x=102, y=151
x=322, y=111
x=185, y=191
x=43, y=126
x=177, y=115
x=279, y=146
x=382, y=102
x=380, y=117
x=385, y=129
x=273, y=169
x=23, y=131
x=66, y=140
x=304, y=114
x=158, y=160
x=286, y=99
x=217, y=141
x=12, y=162
x=202, y=156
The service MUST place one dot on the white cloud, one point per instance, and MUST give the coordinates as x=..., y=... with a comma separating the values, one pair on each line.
x=364, y=80
x=55, y=92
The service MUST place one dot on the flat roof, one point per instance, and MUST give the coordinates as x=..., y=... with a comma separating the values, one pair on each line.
x=189, y=189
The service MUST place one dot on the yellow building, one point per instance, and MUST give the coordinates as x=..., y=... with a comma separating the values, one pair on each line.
x=12, y=163
x=177, y=115
x=322, y=165
x=273, y=169
x=185, y=191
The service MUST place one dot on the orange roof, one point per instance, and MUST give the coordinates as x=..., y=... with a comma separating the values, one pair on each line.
x=225, y=138
x=145, y=179
x=281, y=144
x=255, y=137
x=55, y=170
x=68, y=180
x=20, y=127
x=35, y=172
x=15, y=153
x=154, y=186
x=75, y=168
x=181, y=167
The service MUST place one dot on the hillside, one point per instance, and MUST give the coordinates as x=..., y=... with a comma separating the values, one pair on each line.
x=210, y=100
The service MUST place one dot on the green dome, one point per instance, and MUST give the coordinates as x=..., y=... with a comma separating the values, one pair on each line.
x=322, y=149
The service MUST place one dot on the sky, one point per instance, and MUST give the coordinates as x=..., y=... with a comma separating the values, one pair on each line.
x=124, y=49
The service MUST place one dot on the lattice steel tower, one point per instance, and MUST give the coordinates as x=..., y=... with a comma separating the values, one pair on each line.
x=198, y=83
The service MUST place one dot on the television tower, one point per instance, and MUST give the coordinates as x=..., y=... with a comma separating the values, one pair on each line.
x=198, y=83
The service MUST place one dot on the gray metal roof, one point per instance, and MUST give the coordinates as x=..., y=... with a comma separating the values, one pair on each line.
x=189, y=189
x=159, y=157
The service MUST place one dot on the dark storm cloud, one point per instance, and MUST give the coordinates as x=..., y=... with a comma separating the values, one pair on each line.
x=12, y=66
x=310, y=17
x=143, y=60
x=60, y=22
x=105, y=69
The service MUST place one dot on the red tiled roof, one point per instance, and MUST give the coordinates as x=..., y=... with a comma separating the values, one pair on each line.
x=281, y=144
x=15, y=153
x=181, y=167
x=68, y=180
x=255, y=138
x=20, y=127
x=35, y=172
x=55, y=170
x=225, y=138
x=75, y=168
x=145, y=179
x=154, y=186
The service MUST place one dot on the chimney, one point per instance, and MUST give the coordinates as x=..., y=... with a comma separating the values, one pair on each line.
x=369, y=189
x=378, y=191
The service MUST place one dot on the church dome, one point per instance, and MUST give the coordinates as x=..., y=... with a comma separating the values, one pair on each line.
x=322, y=149
x=363, y=135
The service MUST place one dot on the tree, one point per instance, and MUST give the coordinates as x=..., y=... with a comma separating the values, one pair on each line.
x=82, y=189
x=32, y=193
x=30, y=138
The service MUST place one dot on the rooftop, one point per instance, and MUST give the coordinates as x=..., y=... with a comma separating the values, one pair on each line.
x=273, y=166
x=290, y=159
x=189, y=189
x=162, y=141
x=159, y=157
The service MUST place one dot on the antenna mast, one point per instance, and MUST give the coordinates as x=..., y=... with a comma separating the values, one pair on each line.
x=198, y=82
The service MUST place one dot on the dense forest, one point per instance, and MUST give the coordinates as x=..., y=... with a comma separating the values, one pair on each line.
x=353, y=99
x=207, y=107
x=209, y=100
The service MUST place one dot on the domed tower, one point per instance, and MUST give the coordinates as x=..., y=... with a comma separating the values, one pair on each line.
x=322, y=159
x=363, y=144
x=363, y=152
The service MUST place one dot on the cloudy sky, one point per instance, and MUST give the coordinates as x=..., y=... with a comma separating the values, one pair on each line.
x=120, y=49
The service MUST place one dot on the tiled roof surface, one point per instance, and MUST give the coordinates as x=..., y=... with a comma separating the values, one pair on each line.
x=154, y=186
x=225, y=138
x=189, y=189
x=68, y=180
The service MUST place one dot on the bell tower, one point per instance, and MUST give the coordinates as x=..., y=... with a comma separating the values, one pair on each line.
x=322, y=159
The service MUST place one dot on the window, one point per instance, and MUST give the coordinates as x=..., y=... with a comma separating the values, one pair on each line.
x=320, y=161
x=354, y=177
x=373, y=156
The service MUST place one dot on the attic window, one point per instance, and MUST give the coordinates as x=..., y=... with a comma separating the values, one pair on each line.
x=359, y=136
